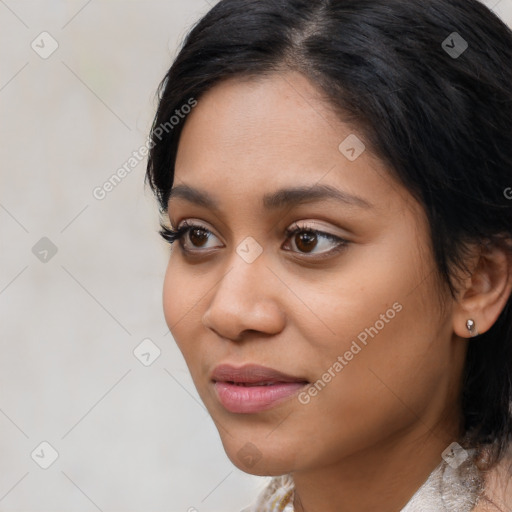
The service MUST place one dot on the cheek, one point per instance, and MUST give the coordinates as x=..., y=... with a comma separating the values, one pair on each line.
x=184, y=299
x=180, y=303
x=377, y=343
x=392, y=369
x=171, y=302
x=371, y=293
x=381, y=387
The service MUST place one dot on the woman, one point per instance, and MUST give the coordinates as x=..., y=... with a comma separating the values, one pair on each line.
x=336, y=175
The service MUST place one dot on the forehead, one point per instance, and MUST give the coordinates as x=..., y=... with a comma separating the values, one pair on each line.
x=248, y=138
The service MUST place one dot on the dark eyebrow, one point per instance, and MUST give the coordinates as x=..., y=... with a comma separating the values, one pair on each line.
x=285, y=197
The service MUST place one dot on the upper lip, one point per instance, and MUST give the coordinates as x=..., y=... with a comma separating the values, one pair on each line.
x=251, y=374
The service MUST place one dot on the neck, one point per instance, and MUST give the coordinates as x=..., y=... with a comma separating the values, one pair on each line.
x=382, y=477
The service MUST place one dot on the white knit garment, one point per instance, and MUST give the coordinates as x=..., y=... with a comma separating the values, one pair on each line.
x=447, y=489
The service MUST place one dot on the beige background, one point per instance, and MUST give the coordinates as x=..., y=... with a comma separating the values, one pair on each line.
x=129, y=437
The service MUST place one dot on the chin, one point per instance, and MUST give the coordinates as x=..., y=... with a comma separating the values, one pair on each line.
x=247, y=456
x=264, y=466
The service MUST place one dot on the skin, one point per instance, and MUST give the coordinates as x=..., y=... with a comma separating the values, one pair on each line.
x=374, y=433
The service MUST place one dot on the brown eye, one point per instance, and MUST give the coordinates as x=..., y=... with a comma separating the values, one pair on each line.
x=305, y=241
x=198, y=236
x=192, y=237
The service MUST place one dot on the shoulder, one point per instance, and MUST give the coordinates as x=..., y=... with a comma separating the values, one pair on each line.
x=274, y=497
x=497, y=496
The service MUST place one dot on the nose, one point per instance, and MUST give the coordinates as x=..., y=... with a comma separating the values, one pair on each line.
x=245, y=299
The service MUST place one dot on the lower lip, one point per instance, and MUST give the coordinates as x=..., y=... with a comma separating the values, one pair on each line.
x=251, y=399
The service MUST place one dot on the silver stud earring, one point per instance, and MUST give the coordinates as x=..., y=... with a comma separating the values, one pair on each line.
x=471, y=327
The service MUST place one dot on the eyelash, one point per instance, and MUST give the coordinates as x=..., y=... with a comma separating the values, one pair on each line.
x=172, y=235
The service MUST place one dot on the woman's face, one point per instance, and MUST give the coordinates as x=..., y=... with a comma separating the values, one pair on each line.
x=350, y=315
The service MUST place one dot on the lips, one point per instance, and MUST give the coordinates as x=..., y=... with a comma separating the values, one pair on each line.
x=253, y=388
x=251, y=375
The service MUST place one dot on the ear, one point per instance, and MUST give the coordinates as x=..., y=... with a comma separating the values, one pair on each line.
x=484, y=293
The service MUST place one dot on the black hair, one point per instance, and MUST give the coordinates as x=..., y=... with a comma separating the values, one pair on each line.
x=429, y=85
